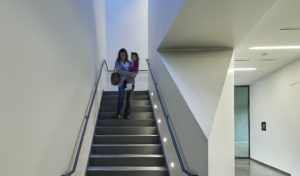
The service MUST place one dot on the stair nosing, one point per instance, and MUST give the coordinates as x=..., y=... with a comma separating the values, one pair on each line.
x=127, y=168
x=134, y=145
x=126, y=156
x=140, y=127
x=126, y=135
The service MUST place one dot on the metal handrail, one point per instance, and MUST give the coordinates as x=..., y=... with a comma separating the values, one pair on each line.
x=86, y=117
x=110, y=70
x=183, y=168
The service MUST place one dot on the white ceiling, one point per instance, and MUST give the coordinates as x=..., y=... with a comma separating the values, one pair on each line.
x=240, y=25
x=266, y=32
x=214, y=23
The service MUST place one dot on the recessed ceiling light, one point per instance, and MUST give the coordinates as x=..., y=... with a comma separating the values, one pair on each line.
x=245, y=69
x=242, y=60
x=266, y=59
x=290, y=29
x=274, y=47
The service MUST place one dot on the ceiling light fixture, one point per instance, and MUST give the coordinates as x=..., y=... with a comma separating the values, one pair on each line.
x=290, y=29
x=274, y=47
x=266, y=59
x=245, y=69
x=242, y=60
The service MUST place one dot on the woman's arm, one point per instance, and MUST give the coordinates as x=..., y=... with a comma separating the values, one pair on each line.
x=122, y=71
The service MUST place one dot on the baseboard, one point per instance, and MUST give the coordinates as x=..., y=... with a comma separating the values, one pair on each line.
x=271, y=167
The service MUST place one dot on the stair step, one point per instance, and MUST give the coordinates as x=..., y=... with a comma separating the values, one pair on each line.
x=145, y=108
x=133, y=102
x=127, y=160
x=126, y=139
x=126, y=171
x=128, y=123
x=126, y=149
x=133, y=97
x=116, y=93
x=125, y=130
x=133, y=115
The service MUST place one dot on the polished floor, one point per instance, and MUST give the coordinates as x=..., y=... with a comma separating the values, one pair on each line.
x=246, y=167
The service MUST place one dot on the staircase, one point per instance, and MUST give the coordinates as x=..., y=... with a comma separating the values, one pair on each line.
x=126, y=147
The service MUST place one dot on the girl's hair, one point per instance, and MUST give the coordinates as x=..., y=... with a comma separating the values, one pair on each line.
x=135, y=54
x=119, y=54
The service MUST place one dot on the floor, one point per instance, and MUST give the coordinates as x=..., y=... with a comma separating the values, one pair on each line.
x=246, y=167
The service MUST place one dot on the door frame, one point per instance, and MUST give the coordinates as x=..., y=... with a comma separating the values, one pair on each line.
x=249, y=139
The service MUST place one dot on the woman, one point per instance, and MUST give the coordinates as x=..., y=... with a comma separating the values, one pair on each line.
x=121, y=66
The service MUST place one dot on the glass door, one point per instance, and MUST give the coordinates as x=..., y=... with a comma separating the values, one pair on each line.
x=241, y=121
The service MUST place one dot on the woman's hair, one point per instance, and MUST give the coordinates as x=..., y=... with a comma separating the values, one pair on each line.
x=135, y=54
x=121, y=51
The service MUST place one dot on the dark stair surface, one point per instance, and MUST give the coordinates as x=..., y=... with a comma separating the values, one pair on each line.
x=126, y=147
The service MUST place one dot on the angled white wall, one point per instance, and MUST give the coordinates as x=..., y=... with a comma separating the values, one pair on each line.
x=275, y=99
x=207, y=122
x=48, y=66
x=221, y=139
x=190, y=52
x=199, y=74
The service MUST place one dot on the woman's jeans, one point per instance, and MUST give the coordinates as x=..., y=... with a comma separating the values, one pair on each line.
x=121, y=95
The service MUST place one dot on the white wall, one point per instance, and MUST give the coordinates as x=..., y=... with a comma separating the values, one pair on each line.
x=47, y=71
x=196, y=111
x=221, y=140
x=274, y=100
x=200, y=78
x=99, y=8
x=127, y=27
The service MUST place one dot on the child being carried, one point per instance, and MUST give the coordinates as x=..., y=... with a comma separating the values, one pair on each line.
x=134, y=67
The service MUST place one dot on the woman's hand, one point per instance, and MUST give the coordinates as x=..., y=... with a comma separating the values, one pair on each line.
x=133, y=76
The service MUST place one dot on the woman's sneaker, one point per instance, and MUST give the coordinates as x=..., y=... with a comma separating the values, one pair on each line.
x=119, y=116
x=128, y=87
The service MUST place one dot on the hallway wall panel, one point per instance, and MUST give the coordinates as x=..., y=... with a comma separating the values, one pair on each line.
x=275, y=100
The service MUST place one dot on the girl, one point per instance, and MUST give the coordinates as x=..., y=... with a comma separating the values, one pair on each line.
x=134, y=67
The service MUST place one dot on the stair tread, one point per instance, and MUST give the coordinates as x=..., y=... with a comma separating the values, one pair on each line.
x=139, y=91
x=126, y=156
x=126, y=127
x=112, y=112
x=126, y=147
x=130, y=145
x=132, y=106
x=127, y=168
x=127, y=120
x=125, y=135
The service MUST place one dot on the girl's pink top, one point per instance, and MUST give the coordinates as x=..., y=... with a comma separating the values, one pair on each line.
x=134, y=67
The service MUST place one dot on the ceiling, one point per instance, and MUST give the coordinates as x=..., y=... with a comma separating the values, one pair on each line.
x=206, y=24
x=266, y=32
x=213, y=23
